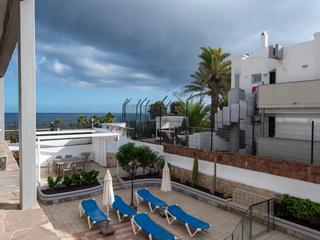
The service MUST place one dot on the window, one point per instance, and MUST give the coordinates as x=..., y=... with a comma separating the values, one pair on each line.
x=256, y=78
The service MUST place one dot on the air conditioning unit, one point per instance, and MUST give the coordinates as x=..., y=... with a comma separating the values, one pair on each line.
x=276, y=51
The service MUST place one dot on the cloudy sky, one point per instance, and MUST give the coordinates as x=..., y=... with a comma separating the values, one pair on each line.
x=92, y=55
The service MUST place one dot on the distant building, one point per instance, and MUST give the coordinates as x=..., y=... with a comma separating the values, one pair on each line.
x=276, y=88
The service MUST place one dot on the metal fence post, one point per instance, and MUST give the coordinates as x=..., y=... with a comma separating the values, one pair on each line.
x=253, y=139
x=312, y=141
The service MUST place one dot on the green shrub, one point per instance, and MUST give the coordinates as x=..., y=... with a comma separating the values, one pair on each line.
x=127, y=153
x=14, y=137
x=76, y=179
x=89, y=176
x=301, y=209
x=195, y=172
x=146, y=157
x=67, y=181
x=53, y=183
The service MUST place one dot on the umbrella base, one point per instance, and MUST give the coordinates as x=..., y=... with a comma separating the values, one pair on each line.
x=107, y=230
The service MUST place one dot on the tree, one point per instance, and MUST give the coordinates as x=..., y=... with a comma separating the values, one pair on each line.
x=146, y=157
x=58, y=123
x=195, y=173
x=108, y=118
x=197, y=112
x=95, y=120
x=174, y=107
x=212, y=77
x=83, y=121
x=127, y=153
x=155, y=108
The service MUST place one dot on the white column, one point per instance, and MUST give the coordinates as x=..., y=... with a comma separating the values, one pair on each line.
x=2, y=125
x=27, y=106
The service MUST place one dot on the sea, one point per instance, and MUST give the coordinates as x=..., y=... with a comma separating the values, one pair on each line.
x=44, y=119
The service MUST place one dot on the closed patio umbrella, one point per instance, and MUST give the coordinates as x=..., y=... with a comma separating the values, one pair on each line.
x=166, y=182
x=108, y=194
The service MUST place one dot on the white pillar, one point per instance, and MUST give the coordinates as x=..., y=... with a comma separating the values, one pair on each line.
x=2, y=125
x=27, y=106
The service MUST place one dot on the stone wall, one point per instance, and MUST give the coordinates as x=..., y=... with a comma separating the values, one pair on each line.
x=256, y=163
x=222, y=186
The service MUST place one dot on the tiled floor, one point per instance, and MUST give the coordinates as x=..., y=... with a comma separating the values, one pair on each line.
x=15, y=223
x=65, y=219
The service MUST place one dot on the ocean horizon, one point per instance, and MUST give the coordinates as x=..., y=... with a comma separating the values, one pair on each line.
x=12, y=119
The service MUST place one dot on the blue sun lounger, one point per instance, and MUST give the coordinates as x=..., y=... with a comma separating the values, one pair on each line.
x=94, y=214
x=174, y=212
x=142, y=221
x=153, y=201
x=123, y=209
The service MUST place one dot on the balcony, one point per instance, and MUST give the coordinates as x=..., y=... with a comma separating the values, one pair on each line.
x=302, y=94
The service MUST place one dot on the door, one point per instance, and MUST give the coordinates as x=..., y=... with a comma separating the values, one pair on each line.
x=272, y=76
x=272, y=126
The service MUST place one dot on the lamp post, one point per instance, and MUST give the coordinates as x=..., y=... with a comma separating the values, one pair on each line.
x=132, y=166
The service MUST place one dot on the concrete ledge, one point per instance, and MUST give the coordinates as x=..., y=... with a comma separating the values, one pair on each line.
x=296, y=230
x=192, y=192
x=68, y=196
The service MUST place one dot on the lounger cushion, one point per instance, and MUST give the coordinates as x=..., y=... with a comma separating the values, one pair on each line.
x=92, y=210
x=150, y=227
x=147, y=196
x=122, y=207
x=184, y=217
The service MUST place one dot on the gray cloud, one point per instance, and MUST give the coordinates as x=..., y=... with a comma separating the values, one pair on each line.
x=145, y=44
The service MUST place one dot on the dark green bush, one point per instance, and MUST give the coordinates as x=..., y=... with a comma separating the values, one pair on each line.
x=195, y=172
x=127, y=153
x=67, y=181
x=301, y=209
x=53, y=183
x=76, y=179
x=146, y=157
x=89, y=176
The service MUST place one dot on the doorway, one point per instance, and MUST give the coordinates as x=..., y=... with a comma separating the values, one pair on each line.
x=272, y=77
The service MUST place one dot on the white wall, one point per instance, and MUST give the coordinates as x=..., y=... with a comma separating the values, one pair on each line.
x=289, y=69
x=261, y=180
x=202, y=140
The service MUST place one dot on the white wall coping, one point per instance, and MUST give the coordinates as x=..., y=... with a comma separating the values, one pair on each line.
x=73, y=136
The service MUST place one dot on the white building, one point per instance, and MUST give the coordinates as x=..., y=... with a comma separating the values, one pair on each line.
x=277, y=87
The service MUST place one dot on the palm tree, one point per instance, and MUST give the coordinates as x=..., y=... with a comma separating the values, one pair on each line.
x=95, y=120
x=212, y=78
x=197, y=113
x=83, y=121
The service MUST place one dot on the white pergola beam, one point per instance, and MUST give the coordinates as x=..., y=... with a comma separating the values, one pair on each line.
x=2, y=124
x=27, y=106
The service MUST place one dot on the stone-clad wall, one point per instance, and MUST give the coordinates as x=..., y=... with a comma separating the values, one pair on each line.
x=223, y=186
x=256, y=163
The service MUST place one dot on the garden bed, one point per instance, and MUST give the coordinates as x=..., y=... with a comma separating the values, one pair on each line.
x=70, y=189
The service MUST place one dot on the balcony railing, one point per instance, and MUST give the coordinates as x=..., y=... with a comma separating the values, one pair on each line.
x=302, y=94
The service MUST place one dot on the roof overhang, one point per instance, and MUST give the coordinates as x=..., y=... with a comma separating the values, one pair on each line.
x=9, y=31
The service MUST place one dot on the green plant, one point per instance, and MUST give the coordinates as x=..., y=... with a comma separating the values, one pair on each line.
x=158, y=165
x=53, y=183
x=58, y=123
x=127, y=153
x=300, y=209
x=145, y=157
x=14, y=137
x=156, y=109
x=67, y=181
x=83, y=121
x=108, y=118
x=195, y=172
x=76, y=179
x=89, y=176
x=212, y=78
